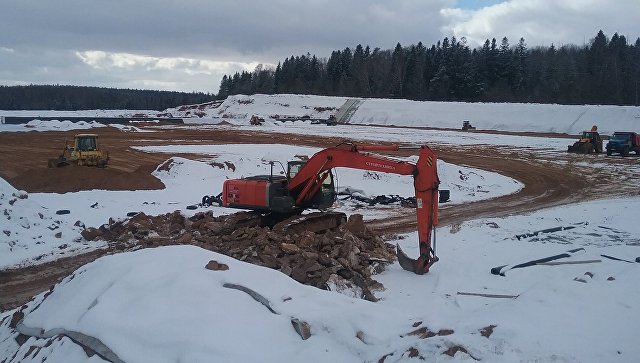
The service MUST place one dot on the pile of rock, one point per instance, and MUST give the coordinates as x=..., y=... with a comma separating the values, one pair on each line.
x=342, y=258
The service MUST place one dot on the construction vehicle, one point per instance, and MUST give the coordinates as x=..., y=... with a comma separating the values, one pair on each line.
x=82, y=151
x=623, y=143
x=331, y=121
x=256, y=120
x=310, y=185
x=589, y=142
x=466, y=125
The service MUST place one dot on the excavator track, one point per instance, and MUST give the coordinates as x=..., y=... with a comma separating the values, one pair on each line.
x=313, y=222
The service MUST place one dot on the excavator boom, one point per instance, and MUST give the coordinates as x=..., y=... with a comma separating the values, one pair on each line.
x=308, y=180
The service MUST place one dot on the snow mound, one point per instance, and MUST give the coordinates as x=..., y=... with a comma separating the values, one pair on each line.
x=163, y=305
x=64, y=125
x=128, y=128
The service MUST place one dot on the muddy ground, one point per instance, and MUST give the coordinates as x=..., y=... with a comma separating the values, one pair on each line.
x=547, y=182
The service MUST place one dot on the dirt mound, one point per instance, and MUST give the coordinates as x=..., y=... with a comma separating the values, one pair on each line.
x=76, y=178
x=340, y=259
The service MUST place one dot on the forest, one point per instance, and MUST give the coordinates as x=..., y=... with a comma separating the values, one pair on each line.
x=605, y=71
x=70, y=98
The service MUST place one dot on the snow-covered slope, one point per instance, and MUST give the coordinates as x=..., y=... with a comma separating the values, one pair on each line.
x=499, y=116
x=571, y=119
x=239, y=109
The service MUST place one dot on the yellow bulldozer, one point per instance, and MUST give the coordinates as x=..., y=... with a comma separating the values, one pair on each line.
x=82, y=151
x=589, y=142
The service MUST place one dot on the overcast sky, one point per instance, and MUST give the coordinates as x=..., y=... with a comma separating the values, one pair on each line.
x=188, y=45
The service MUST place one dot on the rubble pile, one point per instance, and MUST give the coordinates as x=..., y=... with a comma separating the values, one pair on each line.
x=340, y=259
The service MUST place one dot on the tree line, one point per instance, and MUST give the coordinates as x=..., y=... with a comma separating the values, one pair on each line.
x=58, y=97
x=605, y=71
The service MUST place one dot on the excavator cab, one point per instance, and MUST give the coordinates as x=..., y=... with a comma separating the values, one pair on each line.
x=326, y=195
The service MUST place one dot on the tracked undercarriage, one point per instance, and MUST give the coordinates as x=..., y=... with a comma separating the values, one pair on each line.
x=316, y=222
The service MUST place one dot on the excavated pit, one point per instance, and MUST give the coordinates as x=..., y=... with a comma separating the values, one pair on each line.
x=341, y=259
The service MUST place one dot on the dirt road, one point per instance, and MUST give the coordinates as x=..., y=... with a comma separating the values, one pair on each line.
x=549, y=178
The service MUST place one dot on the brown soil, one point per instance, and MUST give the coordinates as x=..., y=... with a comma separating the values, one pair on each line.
x=23, y=163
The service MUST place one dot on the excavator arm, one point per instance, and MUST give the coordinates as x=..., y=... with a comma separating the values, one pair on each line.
x=308, y=181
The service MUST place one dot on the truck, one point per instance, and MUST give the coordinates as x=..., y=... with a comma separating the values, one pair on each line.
x=624, y=142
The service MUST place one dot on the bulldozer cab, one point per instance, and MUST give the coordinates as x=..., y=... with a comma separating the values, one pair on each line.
x=326, y=195
x=86, y=142
x=590, y=136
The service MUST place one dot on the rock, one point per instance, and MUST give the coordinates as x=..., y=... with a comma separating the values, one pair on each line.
x=302, y=328
x=214, y=227
x=343, y=262
x=353, y=259
x=310, y=255
x=487, y=330
x=307, y=240
x=141, y=233
x=299, y=274
x=344, y=273
x=58, y=235
x=312, y=266
x=20, y=194
x=286, y=269
x=79, y=224
x=356, y=225
x=91, y=233
x=216, y=266
x=325, y=260
x=184, y=239
x=271, y=250
x=270, y=261
x=289, y=248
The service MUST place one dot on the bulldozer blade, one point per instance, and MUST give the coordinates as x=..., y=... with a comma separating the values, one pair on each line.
x=406, y=262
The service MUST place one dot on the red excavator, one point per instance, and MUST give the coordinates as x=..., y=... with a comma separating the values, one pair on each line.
x=310, y=185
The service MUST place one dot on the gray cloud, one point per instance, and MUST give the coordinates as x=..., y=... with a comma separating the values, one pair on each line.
x=546, y=22
x=188, y=45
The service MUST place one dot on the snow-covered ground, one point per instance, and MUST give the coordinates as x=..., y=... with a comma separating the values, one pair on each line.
x=30, y=237
x=162, y=304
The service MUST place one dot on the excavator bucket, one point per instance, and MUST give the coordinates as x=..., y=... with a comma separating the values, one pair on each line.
x=406, y=262
x=419, y=266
